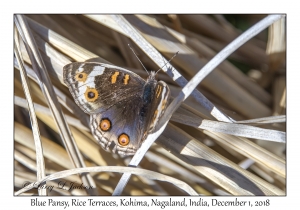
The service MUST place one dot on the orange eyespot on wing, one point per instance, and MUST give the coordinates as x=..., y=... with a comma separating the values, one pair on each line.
x=81, y=77
x=91, y=94
x=123, y=139
x=105, y=125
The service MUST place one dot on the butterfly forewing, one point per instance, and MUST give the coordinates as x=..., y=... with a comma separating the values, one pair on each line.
x=94, y=85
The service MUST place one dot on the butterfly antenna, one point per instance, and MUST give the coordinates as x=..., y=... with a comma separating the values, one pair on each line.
x=167, y=62
x=138, y=59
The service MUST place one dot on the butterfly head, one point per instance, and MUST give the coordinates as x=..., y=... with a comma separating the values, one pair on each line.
x=151, y=76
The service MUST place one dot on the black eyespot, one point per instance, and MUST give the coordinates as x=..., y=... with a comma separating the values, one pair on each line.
x=81, y=77
x=91, y=95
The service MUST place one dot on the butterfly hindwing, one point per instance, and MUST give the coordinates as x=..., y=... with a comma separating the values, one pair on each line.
x=123, y=120
x=159, y=104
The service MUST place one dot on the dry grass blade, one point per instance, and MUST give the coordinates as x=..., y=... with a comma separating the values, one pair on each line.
x=44, y=110
x=265, y=120
x=118, y=169
x=231, y=128
x=48, y=91
x=205, y=183
x=240, y=145
x=226, y=67
x=276, y=47
x=184, y=172
x=35, y=128
x=218, y=169
x=24, y=137
x=73, y=50
x=253, y=151
x=246, y=163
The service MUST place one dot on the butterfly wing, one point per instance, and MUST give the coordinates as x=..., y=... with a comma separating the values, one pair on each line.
x=123, y=120
x=123, y=107
x=159, y=104
x=136, y=120
x=113, y=98
x=96, y=85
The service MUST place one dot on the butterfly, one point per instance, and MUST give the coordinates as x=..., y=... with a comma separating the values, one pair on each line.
x=123, y=107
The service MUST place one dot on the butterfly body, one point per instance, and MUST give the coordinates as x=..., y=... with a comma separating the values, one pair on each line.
x=123, y=107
